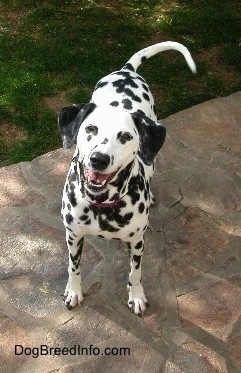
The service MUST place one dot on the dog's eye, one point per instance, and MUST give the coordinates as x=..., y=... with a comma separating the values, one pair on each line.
x=123, y=137
x=91, y=129
x=126, y=136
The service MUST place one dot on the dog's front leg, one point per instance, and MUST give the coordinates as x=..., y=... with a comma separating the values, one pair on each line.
x=137, y=300
x=73, y=291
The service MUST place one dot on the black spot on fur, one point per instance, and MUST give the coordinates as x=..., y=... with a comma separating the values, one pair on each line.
x=141, y=183
x=91, y=129
x=89, y=137
x=122, y=204
x=114, y=103
x=72, y=177
x=75, y=258
x=125, y=74
x=69, y=218
x=145, y=195
x=140, y=112
x=122, y=221
x=128, y=66
x=133, y=192
x=154, y=109
x=100, y=85
x=131, y=94
x=72, y=186
x=122, y=84
x=84, y=217
x=127, y=104
x=72, y=198
x=137, y=259
x=144, y=86
x=98, y=198
x=106, y=226
x=131, y=234
x=105, y=141
x=147, y=186
x=70, y=243
x=146, y=97
x=77, y=264
x=141, y=79
x=80, y=242
x=86, y=210
x=139, y=245
x=141, y=207
x=106, y=215
x=88, y=222
x=134, y=185
x=122, y=177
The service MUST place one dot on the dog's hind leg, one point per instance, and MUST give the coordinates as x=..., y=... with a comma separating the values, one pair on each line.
x=137, y=300
x=73, y=291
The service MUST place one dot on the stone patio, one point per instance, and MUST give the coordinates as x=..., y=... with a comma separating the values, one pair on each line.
x=191, y=270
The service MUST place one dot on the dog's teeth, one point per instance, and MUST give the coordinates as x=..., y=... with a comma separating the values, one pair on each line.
x=97, y=185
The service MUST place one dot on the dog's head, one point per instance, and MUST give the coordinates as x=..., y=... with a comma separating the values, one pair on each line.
x=108, y=139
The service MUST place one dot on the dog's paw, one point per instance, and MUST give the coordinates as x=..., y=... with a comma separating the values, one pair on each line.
x=137, y=301
x=73, y=296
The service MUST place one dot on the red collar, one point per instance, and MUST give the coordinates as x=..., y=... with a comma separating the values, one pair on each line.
x=102, y=204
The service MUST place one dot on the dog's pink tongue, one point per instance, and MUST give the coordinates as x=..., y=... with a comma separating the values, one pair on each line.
x=97, y=177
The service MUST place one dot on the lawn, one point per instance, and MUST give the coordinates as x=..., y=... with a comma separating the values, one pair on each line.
x=60, y=49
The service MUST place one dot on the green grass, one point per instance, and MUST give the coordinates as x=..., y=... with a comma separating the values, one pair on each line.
x=48, y=47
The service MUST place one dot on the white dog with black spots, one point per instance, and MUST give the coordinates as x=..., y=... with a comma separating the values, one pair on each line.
x=107, y=190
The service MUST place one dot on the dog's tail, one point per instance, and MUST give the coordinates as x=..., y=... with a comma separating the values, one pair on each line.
x=138, y=58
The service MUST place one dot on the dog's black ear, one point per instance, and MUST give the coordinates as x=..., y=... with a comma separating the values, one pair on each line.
x=70, y=119
x=152, y=137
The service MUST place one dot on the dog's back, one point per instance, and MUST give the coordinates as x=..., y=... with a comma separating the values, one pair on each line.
x=125, y=88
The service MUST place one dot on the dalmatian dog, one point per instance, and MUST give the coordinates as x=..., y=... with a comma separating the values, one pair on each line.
x=107, y=190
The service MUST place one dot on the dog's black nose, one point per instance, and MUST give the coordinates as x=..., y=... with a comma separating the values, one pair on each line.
x=99, y=161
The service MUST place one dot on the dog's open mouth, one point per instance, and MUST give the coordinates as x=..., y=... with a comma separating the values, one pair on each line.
x=97, y=181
